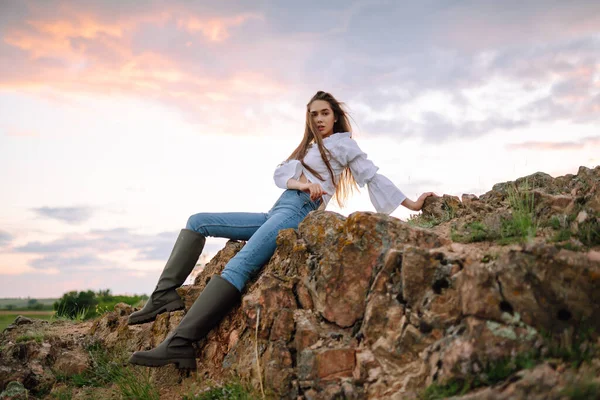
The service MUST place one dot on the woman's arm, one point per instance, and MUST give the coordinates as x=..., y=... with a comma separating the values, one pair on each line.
x=416, y=205
x=385, y=196
x=295, y=184
x=314, y=189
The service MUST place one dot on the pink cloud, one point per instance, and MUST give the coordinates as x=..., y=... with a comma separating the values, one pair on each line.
x=477, y=26
x=561, y=146
x=216, y=29
x=78, y=52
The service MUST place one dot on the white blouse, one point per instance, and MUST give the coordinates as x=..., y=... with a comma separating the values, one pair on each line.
x=384, y=195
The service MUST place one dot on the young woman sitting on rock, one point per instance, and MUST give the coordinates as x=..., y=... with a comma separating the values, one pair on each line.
x=327, y=162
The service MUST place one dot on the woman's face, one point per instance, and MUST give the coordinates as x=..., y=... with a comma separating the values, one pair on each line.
x=322, y=117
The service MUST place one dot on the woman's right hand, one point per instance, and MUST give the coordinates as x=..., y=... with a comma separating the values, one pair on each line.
x=314, y=189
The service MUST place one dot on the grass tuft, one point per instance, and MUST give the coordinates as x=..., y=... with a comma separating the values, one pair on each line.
x=421, y=221
x=64, y=393
x=37, y=337
x=519, y=227
x=571, y=347
x=106, y=369
x=562, y=235
x=589, y=232
x=523, y=223
x=453, y=387
x=230, y=391
x=582, y=390
x=474, y=232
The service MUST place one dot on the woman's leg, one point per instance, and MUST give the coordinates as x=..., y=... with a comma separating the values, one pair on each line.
x=220, y=294
x=260, y=247
x=185, y=254
x=231, y=225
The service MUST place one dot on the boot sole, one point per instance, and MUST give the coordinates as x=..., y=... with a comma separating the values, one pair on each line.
x=185, y=363
x=175, y=305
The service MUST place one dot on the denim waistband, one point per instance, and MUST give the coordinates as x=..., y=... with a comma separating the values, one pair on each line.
x=297, y=200
x=306, y=196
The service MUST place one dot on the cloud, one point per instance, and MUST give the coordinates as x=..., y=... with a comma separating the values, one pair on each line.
x=436, y=128
x=161, y=250
x=84, y=251
x=101, y=241
x=560, y=146
x=178, y=56
x=475, y=26
x=5, y=238
x=67, y=262
x=38, y=285
x=215, y=61
x=70, y=215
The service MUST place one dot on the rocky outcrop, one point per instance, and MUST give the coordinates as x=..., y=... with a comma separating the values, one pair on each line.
x=369, y=306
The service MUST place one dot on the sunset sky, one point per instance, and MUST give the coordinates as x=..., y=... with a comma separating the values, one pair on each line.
x=120, y=119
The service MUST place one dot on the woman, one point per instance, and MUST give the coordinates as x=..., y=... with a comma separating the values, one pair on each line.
x=327, y=162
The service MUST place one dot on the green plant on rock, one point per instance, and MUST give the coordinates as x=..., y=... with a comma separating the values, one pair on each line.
x=473, y=232
x=479, y=232
x=107, y=368
x=454, y=387
x=573, y=346
x=423, y=222
x=133, y=384
x=588, y=232
x=449, y=212
x=492, y=372
x=560, y=223
x=64, y=393
x=562, y=235
x=568, y=246
x=37, y=337
x=230, y=391
x=556, y=222
x=582, y=390
x=429, y=222
x=522, y=224
x=498, y=370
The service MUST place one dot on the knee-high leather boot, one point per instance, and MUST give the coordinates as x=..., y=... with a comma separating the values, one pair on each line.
x=215, y=301
x=185, y=254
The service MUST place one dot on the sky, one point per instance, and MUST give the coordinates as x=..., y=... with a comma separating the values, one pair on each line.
x=119, y=120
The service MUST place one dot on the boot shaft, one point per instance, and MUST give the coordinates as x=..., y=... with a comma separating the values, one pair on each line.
x=216, y=300
x=183, y=259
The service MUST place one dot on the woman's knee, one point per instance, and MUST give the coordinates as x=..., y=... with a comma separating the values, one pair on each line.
x=197, y=223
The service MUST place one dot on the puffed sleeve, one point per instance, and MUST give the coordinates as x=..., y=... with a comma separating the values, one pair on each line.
x=384, y=195
x=285, y=171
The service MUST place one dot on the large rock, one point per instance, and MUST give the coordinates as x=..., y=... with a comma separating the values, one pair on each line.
x=371, y=307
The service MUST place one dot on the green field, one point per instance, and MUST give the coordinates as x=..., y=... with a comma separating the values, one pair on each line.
x=19, y=303
x=8, y=317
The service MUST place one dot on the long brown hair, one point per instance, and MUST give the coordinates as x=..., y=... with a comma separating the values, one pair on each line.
x=346, y=183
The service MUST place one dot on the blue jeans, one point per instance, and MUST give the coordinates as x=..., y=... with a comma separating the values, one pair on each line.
x=258, y=229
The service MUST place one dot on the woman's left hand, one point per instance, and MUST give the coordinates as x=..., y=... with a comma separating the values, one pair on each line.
x=313, y=189
x=419, y=203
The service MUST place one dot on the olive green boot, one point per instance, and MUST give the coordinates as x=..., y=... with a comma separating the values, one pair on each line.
x=215, y=301
x=185, y=254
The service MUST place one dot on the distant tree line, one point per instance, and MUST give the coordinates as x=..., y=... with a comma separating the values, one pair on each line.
x=32, y=304
x=84, y=305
